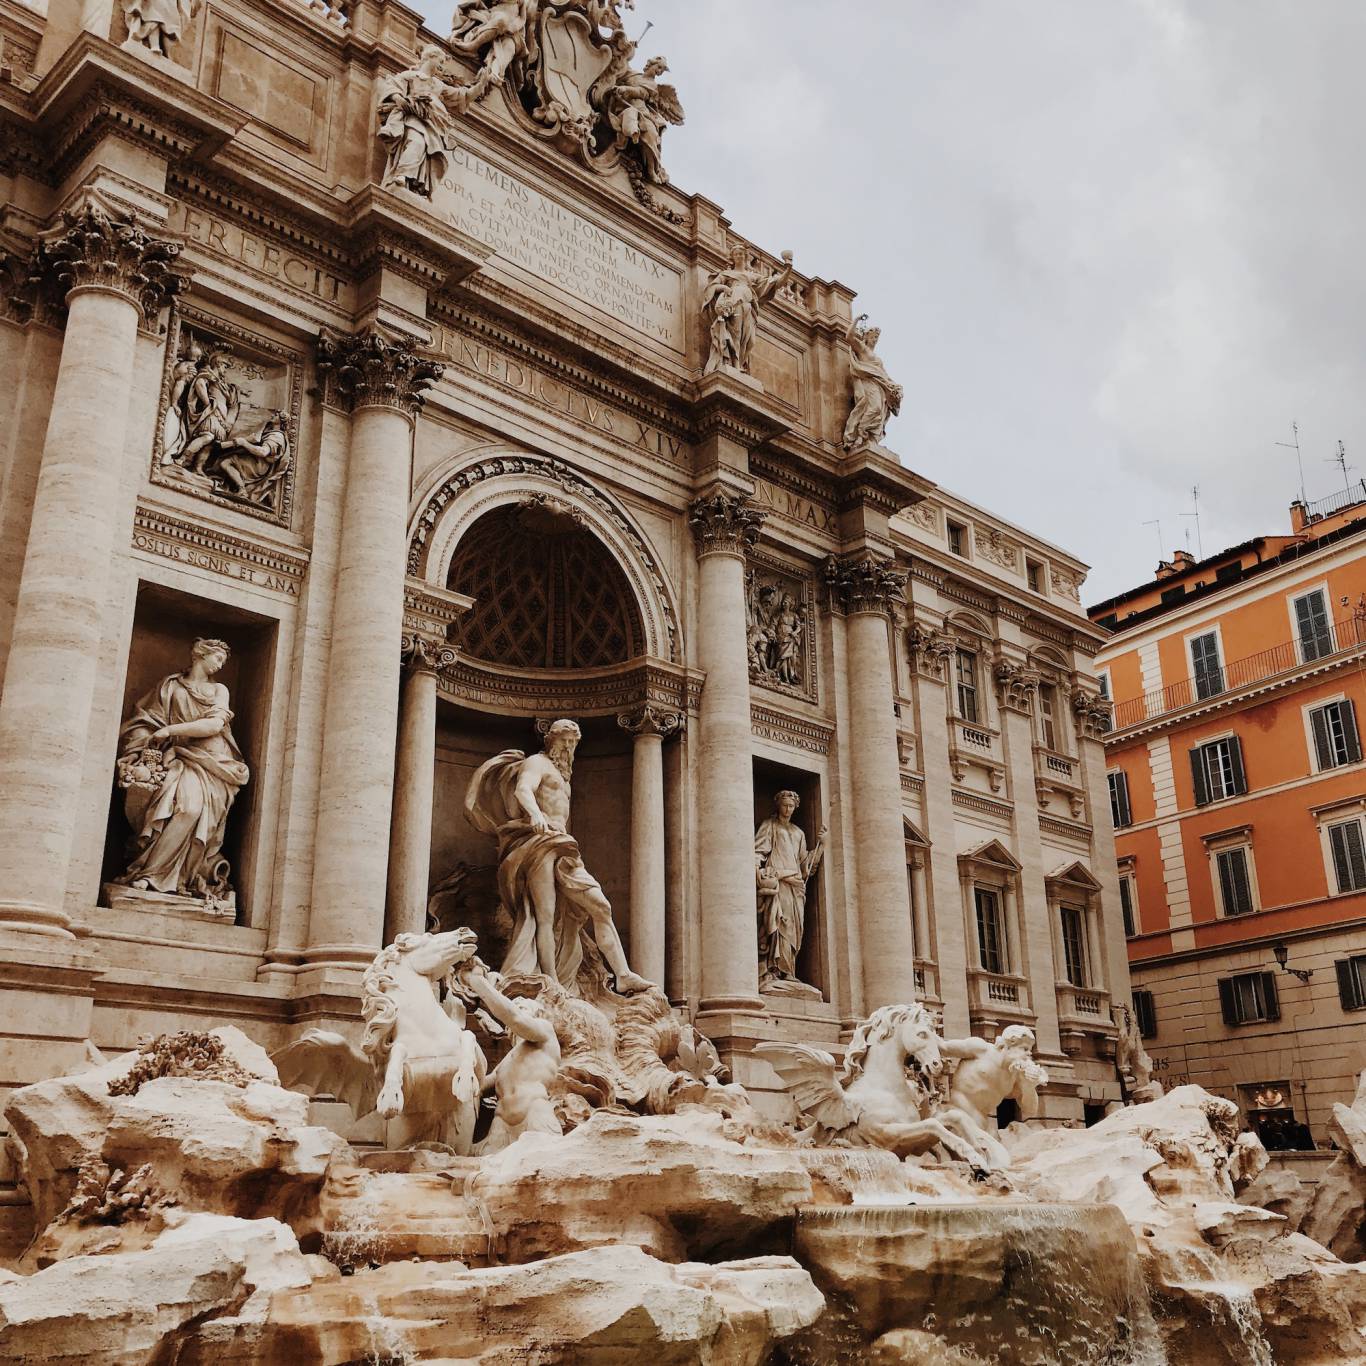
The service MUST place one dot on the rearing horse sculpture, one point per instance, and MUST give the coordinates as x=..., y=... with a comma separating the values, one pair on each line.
x=882, y=1096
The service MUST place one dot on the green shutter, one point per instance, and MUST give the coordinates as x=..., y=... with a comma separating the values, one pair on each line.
x=1273, y=1004
x=1349, y=727
x=1235, y=750
x=1348, y=992
x=1198, y=776
x=1228, y=1003
x=1323, y=738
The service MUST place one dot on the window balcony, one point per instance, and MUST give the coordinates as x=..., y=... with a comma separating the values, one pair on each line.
x=1084, y=1018
x=1212, y=687
x=1002, y=997
x=971, y=743
x=1058, y=777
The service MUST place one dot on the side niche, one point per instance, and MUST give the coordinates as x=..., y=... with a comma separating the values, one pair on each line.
x=779, y=622
x=229, y=417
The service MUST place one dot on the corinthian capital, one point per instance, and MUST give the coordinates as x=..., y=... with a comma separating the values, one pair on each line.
x=96, y=250
x=725, y=524
x=426, y=654
x=373, y=370
x=865, y=583
x=649, y=720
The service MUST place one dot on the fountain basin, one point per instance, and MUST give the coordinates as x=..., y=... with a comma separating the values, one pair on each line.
x=1028, y=1284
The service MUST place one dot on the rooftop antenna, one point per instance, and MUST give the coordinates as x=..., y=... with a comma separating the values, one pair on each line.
x=1340, y=460
x=1199, y=539
x=1299, y=459
x=1161, y=540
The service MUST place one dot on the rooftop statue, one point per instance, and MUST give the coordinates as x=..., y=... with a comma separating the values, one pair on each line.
x=883, y=1095
x=158, y=25
x=416, y=124
x=558, y=906
x=877, y=398
x=730, y=303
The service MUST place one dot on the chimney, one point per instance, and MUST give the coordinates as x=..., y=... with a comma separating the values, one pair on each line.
x=1180, y=561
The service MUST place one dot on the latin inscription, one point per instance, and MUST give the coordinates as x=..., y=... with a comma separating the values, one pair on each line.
x=215, y=563
x=561, y=248
x=545, y=388
x=792, y=505
x=245, y=248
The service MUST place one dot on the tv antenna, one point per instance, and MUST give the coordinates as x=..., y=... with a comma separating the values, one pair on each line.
x=1340, y=460
x=1161, y=540
x=1195, y=515
x=1294, y=445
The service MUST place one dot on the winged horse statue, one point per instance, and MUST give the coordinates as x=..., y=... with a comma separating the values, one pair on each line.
x=882, y=1096
x=417, y=1066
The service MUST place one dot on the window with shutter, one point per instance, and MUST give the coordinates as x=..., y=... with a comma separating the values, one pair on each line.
x=1336, y=741
x=1235, y=882
x=1145, y=1014
x=1200, y=776
x=1120, y=811
x=1249, y=998
x=1237, y=774
x=1206, y=666
x=1217, y=770
x=1126, y=905
x=1349, y=855
x=1352, y=982
x=1314, y=627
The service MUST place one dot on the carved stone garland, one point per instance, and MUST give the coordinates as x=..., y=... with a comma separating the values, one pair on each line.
x=372, y=370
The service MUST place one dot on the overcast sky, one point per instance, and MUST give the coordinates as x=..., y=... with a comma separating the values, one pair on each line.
x=1115, y=246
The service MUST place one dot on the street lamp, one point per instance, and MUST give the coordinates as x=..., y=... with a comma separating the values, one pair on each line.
x=1282, y=956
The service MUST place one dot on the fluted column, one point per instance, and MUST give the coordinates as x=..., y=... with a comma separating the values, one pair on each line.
x=649, y=727
x=865, y=589
x=383, y=381
x=725, y=526
x=410, y=836
x=112, y=274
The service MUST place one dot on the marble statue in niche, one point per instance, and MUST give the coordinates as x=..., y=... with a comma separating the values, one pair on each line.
x=180, y=770
x=877, y=397
x=158, y=25
x=775, y=630
x=558, y=907
x=730, y=304
x=225, y=427
x=416, y=123
x=784, y=866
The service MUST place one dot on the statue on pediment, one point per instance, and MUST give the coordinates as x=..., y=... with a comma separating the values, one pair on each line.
x=416, y=124
x=877, y=397
x=158, y=25
x=502, y=33
x=640, y=107
x=730, y=303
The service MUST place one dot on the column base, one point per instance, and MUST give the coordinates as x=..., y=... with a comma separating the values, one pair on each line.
x=731, y=1005
x=339, y=957
x=32, y=918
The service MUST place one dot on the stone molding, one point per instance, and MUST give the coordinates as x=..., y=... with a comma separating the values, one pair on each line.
x=865, y=583
x=812, y=736
x=616, y=689
x=973, y=801
x=1016, y=685
x=1071, y=830
x=93, y=249
x=373, y=370
x=931, y=649
x=725, y=524
x=650, y=720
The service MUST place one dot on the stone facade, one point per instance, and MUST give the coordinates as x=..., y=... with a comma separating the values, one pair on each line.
x=435, y=443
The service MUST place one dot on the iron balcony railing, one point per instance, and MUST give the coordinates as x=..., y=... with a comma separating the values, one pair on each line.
x=1309, y=648
x=1335, y=502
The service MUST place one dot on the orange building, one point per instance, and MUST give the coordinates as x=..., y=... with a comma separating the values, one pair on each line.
x=1238, y=792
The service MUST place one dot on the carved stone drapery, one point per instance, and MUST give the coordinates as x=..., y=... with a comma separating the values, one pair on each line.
x=426, y=654
x=1016, y=685
x=931, y=650
x=867, y=583
x=373, y=370
x=651, y=721
x=725, y=524
x=1095, y=716
x=998, y=549
x=93, y=249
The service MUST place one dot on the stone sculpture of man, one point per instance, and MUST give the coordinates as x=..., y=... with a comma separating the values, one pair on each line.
x=158, y=24
x=416, y=125
x=784, y=866
x=180, y=769
x=542, y=881
x=876, y=396
x=731, y=302
x=988, y=1074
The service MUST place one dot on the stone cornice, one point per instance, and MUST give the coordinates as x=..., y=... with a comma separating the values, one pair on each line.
x=371, y=369
x=530, y=694
x=384, y=230
x=429, y=617
x=796, y=732
x=727, y=402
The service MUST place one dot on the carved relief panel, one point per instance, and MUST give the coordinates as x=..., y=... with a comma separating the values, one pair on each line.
x=778, y=622
x=229, y=416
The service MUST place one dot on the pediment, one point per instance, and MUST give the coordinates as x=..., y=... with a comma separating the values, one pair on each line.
x=994, y=852
x=1074, y=874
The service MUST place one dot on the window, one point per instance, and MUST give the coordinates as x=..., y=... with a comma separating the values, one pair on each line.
x=1048, y=724
x=991, y=939
x=1120, y=810
x=966, y=668
x=1249, y=998
x=1145, y=1014
x=1206, y=665
x=1034, y=574
x=1074, y=944
x=1128, y=904
x=1229, y=573
x=958, y=538
x=1217, y=770
x=1352, y=982
x=1336, y=740
x=1313, y=628
x=1103, y=679
x=1349, y=855
x=1235, y=881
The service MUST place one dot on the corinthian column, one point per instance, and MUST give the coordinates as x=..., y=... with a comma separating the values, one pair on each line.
x=383, y=381
x=865, y=589
x=650, y=726
x=410, y=839
x=112, y=275
x=725, y=526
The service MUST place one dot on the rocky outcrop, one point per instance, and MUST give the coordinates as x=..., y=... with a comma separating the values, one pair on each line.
x=239, y=1147
x=1336, y=1216
x=601, y=1307
x=680, y=1186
